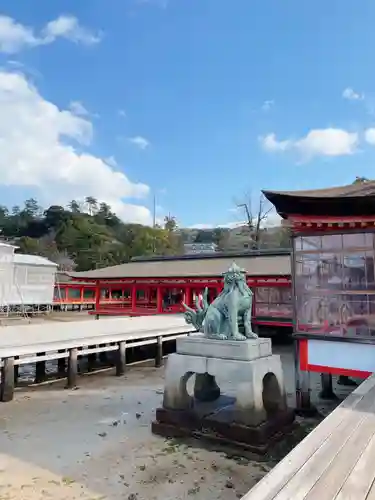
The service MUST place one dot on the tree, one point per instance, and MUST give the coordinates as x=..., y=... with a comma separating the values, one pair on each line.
x=55, y=216
x=170, y=223
x=205, y=236
x=92, y=204
x=75, y=239
x=361, y=180
x=31, y=208
x=74, y=207
x=255, y=216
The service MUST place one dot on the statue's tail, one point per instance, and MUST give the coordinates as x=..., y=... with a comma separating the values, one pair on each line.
x=187, y=308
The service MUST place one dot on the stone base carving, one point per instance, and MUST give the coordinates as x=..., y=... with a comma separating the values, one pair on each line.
x=253, y=417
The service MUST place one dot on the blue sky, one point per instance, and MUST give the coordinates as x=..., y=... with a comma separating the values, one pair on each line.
x=197, y=101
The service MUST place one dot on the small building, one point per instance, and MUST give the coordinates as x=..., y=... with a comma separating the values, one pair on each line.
x=199, y=248
x=333, y=263
x=25, y=280
x=33, y=281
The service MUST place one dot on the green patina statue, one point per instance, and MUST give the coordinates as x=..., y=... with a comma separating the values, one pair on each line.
x=220, y=319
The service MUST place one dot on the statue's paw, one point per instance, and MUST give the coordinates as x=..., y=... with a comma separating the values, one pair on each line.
x=251, y=335
x=239, y=337
x=217, y=336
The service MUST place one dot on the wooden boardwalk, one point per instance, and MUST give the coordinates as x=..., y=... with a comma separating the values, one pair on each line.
x=335, y=461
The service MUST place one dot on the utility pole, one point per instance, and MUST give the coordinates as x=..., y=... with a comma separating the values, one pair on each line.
x=154, y=213
x=154, y=224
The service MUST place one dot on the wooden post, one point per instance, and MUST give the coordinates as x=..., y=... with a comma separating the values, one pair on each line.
x=40, y=370
x=97, y=296
x=302, y=380
x=91, y=359
x=71, y=382
x=159, y=353
x=103, y=358
x=7, y=380
x=134, y=298
x=121, y=359
x=16, y=371
x=327, y=389
x=188, y=296
x=61, y=365
x=159, y=299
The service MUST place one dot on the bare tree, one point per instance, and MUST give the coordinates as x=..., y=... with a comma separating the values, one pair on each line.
x=256, y=214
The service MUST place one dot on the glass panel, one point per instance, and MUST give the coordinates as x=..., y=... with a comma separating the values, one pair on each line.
x=74, y=293
x=311, y=243
x=335, y=288
x=116, y=294
x=273, y=301
x=127, y=293
x=104, y=293
x=297, y=243
x=88, y=294
x=141, y=294
x=261, y=294
x=356, y=240
x=369, y=240
x=332, y=242
x=370, y=274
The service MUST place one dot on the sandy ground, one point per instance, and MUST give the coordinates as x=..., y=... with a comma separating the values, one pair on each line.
x=95, y=443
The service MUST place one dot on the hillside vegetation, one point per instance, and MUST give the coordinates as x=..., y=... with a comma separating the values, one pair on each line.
x=89, y=236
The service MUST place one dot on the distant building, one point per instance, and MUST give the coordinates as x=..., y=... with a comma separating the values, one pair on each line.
x=194, y=248
x=239, y=240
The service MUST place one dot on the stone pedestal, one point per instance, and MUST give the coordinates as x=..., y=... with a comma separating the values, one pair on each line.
x=256, y=415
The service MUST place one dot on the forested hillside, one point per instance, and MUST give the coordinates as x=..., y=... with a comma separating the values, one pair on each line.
x=89, y=235
x=84, y=237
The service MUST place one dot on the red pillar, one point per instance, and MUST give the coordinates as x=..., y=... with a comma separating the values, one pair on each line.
x=97, y=295
x=134, y=298
x=188, y=296
x=159, y=299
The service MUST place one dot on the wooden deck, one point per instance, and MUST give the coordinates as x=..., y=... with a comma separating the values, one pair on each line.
x=335, y=461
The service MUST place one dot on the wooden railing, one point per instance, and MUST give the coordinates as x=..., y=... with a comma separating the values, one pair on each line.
x=25, y=344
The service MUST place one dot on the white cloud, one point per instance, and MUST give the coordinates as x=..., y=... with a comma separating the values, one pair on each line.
x=140, y=142
x=77, y=108
x=15, y=37
x=43, y=148
x=267, y=105
x=370, y=136
x=270, y=143
x=318, y=142
x=272, y=220
x=351, y=95
x=122, y=113
x=68, y=27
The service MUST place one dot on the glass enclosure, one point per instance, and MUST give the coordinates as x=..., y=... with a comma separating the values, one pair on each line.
x=335, y=284
x=273, y=302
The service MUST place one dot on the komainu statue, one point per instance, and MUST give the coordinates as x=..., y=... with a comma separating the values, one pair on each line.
x=220, y=319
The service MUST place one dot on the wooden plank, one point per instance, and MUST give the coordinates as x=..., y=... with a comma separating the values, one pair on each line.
x=300, y=485
x=361, y=478
x=331, y=481
x=284, y=471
